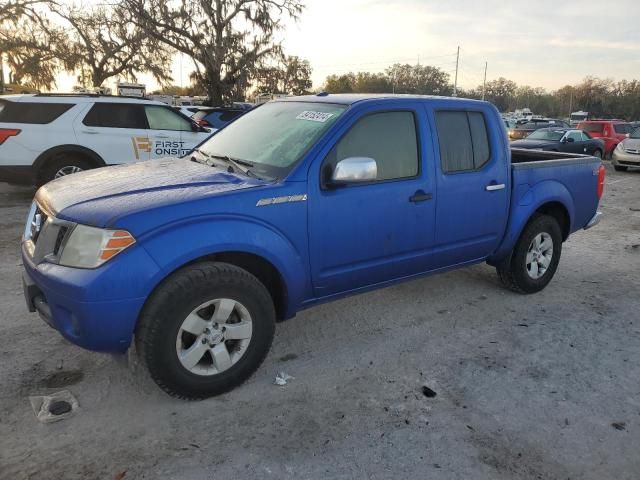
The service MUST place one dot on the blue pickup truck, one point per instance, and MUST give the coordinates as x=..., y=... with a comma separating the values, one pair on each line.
x=298, y=202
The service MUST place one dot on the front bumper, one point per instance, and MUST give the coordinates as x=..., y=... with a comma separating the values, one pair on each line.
x=625, y=159
x=94, y=309
x=594, y=221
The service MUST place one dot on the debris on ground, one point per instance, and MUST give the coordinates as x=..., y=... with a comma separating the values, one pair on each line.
x=619, y=425
x=282, y=378
x=54, y=407
x=427, y=392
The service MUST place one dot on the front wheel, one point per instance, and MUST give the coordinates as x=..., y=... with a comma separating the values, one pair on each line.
x=535, y=257
x=205, y=330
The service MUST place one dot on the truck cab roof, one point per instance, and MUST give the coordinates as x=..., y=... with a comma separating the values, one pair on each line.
x=353, y=98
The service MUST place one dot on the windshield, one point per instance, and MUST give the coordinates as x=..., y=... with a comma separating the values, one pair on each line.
x=550, y=135
x=273, y=137
x=635, y=133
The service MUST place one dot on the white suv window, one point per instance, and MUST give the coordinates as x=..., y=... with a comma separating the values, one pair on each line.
x=163, y=118
x=115, y=115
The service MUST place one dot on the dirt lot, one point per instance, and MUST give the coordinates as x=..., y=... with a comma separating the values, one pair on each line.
x=544, y=386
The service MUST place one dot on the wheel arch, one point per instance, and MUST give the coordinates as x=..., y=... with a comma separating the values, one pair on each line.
x=68, y=148
x=554, y=200
x=263, y=252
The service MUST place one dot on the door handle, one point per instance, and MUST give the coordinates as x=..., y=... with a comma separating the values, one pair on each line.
x=91, y=132
x=494, y=186
x=420, y=196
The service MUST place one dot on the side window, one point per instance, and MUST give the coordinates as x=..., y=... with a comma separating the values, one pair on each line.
x=463, y=140
x=32, y=112
x=164, y=118
x=115, y=115
x=585, y=136
x=389, y=138
x=577, y=136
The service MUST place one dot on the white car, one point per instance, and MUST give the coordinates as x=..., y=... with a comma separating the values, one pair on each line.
x=45, y=136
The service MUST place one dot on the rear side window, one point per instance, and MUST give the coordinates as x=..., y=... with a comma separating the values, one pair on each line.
x=592, y=127
x=31, y=112
x=116, y=115
x=388, y=137
x=622, y=128
x=463, y=140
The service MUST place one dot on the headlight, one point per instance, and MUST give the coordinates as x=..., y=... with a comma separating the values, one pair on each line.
x=621, y=146
x=90, y=247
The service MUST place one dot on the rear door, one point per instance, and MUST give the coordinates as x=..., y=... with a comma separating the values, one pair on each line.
x=472, y=185
x=115, y=131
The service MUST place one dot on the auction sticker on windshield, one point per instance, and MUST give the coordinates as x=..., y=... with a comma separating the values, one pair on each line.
x=314, y=116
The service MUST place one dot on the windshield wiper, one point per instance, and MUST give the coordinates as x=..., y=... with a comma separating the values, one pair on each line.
x=235, y=164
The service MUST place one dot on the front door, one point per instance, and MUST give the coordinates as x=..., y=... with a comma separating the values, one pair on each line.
x=170, y=134
x=363, y=234
x=473, y=187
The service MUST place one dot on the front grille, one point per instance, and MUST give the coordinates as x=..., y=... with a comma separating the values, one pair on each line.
x=37, y=223
x=634, y=152
x=61, y=234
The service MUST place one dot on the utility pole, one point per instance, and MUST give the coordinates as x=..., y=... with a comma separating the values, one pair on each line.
x=1, y=73
x=484, y=82
x=455, y=83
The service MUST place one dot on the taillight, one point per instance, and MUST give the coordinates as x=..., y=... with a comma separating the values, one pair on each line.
x=601, y=174
x=8, y=132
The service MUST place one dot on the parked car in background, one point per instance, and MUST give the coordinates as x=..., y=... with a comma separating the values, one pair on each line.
x=297, y=203
x=627, y=153
x=562, y=140
x=191, y=111
x=522, y=130
x=46, y=136
x=217, y=117
x=611, y=132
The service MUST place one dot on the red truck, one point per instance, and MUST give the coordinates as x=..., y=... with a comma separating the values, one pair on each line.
x=611, y=132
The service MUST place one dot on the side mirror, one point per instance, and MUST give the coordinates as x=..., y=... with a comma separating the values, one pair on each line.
x=628, y=135
x=354, y=170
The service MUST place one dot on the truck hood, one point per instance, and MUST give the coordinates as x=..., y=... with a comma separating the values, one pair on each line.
x=532, y=144
x=98, y=197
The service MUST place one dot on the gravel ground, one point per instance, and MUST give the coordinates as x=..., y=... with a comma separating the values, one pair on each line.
x=544, y=386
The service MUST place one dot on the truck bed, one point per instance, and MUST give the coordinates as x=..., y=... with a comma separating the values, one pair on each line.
x=537, y=174
x=521, y=157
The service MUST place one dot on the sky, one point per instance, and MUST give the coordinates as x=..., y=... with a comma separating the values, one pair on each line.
x=540, y=43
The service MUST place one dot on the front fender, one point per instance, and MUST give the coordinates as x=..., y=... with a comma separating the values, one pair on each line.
x=175, y=245
x=526, y=201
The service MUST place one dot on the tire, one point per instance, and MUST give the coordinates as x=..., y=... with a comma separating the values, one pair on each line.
x=62, y=164
x=164, y=331
x=619, y=168
x=515, y=273
x=597, y=153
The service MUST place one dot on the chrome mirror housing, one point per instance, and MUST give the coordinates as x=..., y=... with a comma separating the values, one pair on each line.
x=355, y=170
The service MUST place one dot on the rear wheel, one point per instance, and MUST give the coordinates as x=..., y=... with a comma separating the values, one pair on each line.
x=619, y=168
x=61, y=165
x=535, y=257
x=597, y=153
x=205, y=330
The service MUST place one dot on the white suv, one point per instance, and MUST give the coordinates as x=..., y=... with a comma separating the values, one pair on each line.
x=46, y=136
